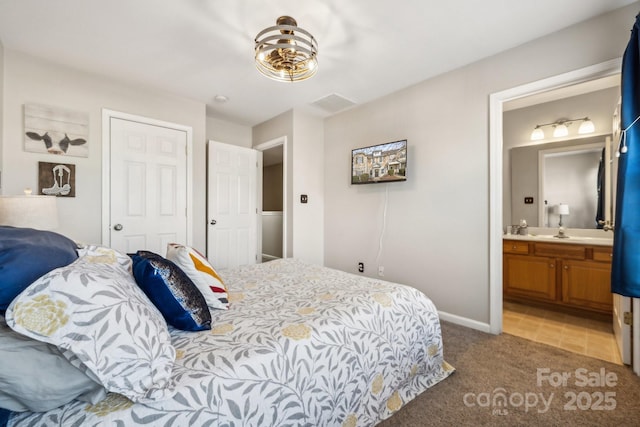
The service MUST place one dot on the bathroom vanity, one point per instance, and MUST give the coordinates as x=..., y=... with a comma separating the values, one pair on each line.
x=572, y=273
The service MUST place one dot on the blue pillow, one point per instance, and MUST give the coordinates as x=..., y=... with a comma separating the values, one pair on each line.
x=171, y=291
x=26, y=254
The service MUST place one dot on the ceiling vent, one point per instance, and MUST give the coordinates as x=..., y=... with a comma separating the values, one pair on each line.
x=333, y=103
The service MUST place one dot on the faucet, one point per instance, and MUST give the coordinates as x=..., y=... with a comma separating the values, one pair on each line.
x=606, y=225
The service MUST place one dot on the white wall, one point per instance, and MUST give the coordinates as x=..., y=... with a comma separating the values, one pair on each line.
x=436, y=236
x=32, y=80
x=308, y=179
x=227, y=132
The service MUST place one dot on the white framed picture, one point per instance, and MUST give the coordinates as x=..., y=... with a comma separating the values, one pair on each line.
x=56, y=130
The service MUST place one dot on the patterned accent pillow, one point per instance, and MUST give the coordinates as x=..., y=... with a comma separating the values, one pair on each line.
x=94, y=312
x=172, y=292
x=198, y=268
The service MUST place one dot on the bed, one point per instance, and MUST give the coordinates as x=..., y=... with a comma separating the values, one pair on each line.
x=299, y=345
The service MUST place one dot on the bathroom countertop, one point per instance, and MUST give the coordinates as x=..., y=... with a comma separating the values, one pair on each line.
x=606, y=240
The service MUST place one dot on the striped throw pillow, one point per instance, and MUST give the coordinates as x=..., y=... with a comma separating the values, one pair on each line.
x=201, y=272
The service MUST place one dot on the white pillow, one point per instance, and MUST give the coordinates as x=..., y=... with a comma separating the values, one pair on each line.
x=34, y=376
x=201, y=272
x=102, y=322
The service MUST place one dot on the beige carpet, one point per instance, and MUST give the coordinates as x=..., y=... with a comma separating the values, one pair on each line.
x=496, y=383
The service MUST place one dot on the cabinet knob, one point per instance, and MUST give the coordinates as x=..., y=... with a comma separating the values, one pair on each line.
x=566, y=267
x=514, y=247
x=551, y=265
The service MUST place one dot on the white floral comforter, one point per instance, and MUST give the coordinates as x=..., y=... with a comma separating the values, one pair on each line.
x=301, y=345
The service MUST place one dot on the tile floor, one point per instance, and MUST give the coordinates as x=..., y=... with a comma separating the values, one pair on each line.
x=590, y=337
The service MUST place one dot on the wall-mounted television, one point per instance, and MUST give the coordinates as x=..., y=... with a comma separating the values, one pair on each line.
x=379, y=163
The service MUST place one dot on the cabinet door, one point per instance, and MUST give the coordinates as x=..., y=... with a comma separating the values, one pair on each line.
x=587, y=284
x=530, y=276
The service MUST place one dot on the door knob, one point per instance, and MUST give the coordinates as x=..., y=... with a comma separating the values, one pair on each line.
x=117, y=227
x=213, y=222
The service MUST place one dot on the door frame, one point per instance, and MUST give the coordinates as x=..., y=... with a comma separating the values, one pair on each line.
x=496, y=101
x=107, y=115
x=285, y=179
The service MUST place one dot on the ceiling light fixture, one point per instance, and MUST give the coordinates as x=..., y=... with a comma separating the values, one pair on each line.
x=560, y=128
x=286, y=52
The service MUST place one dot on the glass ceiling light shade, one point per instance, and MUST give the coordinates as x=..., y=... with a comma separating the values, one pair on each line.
x=560, y=130
x=586, y=126
x=286, y=52
x=537, y=134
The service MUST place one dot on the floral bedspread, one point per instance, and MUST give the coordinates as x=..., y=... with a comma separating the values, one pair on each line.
x=300, y=345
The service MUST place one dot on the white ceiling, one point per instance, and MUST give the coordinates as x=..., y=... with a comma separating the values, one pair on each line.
x=203, y=48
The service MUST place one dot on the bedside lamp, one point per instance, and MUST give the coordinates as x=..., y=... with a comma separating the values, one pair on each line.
x=39, y=212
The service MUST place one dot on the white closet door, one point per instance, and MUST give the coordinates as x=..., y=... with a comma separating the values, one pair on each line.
x=148, y=186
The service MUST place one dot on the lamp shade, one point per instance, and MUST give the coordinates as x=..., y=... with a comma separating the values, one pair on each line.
x=39, y=212
x=537, y=134
x=586, y=126
x=563, y=209
x=560, y=130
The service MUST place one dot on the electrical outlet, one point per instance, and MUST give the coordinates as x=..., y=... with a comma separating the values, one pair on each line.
x=380, y=270
x=361, y=267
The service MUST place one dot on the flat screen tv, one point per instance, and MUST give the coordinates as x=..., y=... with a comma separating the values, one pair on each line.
x=379, y=163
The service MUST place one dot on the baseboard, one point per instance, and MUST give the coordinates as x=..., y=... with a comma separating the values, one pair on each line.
x=464, y=321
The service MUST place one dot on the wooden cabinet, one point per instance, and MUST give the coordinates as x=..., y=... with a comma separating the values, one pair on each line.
x=530, y=276
x=571, y=275
x=586, y=284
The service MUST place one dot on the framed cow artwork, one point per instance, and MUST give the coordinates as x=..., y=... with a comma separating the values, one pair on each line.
x=56, y=179
x=56, y=130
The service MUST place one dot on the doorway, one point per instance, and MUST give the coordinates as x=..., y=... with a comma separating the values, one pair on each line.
x=497, y=100
x=274, y=199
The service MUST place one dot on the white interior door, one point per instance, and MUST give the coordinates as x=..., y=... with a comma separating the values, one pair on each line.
x=233, y=213
x=148, y=186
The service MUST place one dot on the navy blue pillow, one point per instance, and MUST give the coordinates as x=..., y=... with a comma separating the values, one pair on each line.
x=171, y=291
x=26, y=254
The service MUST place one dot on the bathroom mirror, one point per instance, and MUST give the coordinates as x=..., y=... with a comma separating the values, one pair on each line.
x=568, y=173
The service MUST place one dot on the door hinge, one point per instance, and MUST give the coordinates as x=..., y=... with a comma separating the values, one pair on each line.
x=627, y=318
